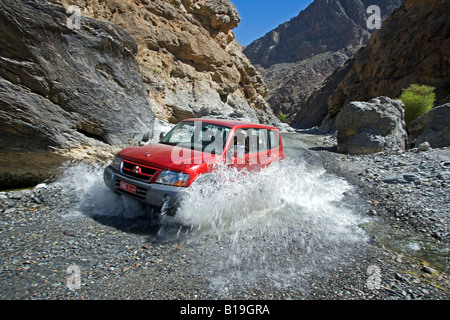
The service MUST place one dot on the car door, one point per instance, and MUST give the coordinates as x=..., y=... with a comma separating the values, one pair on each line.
x=275, y=149
x=249, y=149
x=257, y=147
x=236, y=153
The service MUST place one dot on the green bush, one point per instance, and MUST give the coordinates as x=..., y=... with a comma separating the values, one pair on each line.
x=418, y=100
x=283, y=117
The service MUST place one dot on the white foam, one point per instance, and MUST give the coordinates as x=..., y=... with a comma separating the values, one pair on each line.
x=281, y=223
x=84, y=186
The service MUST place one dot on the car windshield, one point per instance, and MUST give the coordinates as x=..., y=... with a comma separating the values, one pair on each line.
x=198, y=135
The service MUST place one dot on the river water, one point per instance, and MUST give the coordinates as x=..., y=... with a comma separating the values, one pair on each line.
x=288, y=220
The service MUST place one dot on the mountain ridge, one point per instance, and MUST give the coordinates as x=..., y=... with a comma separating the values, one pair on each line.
x=338, y=27
x=391, y=62
x=325, y=25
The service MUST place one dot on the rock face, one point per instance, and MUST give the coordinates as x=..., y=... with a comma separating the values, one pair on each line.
x=64, y=88
x=325, y=26
x=413, y=46
x=313, y=111
x=371, y=127
x=190, y=61
x=432, y=127
x=290, y=84
x=297, y=57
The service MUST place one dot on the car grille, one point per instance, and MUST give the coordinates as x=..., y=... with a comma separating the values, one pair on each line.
x=137, y=171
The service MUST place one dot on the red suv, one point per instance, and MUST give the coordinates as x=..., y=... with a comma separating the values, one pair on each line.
x=159, y=173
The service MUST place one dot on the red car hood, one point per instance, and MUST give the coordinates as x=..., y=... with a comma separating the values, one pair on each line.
x=166, y=157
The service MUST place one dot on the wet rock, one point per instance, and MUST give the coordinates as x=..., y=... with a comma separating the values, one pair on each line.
x=429, y=270
x=36, y=199
x=408, y=188
x=69, y=233
x=443, y=175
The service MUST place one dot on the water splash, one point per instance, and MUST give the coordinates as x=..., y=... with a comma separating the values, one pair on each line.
x=282, y=195
x=277, y=225
x=85, y=191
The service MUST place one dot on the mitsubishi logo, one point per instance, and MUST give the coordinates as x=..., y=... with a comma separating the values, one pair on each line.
x=136, y=169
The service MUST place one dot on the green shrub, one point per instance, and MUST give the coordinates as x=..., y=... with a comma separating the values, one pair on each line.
x=282, y=117
x=418, y=100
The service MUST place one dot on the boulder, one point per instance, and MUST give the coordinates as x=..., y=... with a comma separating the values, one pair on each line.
x=64, y=88
x=371, y=127
x=432, y=127
x=217, y=14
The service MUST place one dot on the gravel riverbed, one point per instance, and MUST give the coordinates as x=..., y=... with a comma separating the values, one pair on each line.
x=50, y=249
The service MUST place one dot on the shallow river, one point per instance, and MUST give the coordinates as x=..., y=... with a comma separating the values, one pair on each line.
x=290, y=219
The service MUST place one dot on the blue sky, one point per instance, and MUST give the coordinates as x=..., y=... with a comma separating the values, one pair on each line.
x=260, y=16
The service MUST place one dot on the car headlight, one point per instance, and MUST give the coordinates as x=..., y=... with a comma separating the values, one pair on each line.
x=116, y=163
x=172, y=178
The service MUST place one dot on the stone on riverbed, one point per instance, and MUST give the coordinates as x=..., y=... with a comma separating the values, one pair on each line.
x=404, y=178
x=371, y=127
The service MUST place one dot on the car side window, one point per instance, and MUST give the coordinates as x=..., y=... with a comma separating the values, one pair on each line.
x=249, y=141
x=258, y=140
x=254, y=140
x=238, y=148
x=274, y=139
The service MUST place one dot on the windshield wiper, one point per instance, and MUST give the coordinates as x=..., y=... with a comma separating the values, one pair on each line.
x=168, y=143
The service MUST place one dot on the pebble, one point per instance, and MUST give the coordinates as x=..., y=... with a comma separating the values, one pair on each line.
x=404, y=178
x=424, y=146
x=123, y=260
x=414, y=194
x=36, y=199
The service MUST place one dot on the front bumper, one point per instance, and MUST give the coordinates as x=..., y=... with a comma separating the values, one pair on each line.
x=154, y=194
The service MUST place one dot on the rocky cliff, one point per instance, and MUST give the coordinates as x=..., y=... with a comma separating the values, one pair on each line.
x=63, y=89
x=291, y=84
x=306, y=50
x=190, y=61
x=413, y=46
x=83, y=80
x=325, y=25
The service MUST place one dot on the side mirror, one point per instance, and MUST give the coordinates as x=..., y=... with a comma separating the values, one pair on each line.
x=161, y=136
